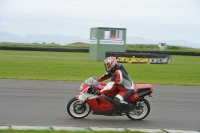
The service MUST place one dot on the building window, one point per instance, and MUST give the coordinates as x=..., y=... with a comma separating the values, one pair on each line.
x=119, y=34
x=107, y=34
x=93, y=34
x=113, y=34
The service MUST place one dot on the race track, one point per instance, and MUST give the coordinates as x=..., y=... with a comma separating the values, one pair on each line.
x=43, y=103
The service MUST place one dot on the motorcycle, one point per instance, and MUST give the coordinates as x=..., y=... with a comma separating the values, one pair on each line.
x=80, y=106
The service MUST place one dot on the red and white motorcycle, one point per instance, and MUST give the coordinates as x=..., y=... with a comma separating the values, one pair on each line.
x=81, y=105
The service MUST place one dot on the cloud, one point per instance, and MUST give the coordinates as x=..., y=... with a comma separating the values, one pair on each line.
x=152, y=19
x=4, y=23
x=153, y=11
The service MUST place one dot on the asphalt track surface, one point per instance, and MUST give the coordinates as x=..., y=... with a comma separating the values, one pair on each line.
x=43, y=103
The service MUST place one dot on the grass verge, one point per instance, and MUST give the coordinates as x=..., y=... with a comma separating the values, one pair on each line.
x=184, y=70
x=34, y=131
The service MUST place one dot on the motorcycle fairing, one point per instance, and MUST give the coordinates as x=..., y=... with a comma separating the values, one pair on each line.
x=144, y=89
x=143, y=92
x=140, y=91
x=107, y=113
x=97, y=103
x=100, y=104
x=144, y=86
x=85, y=96
x=79, y=97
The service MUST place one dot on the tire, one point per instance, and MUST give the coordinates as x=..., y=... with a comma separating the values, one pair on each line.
x=73, y=111
x=144, y=111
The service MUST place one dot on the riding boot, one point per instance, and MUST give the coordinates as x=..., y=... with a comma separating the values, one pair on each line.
x=121, y=106
x=127, y=108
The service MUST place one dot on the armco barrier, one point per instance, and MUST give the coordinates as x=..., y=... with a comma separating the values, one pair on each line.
x=43, y=49
x=145, y=58
x=166, y=52
x=87, y=50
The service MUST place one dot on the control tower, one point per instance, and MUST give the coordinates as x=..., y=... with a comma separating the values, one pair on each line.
x=105, y=39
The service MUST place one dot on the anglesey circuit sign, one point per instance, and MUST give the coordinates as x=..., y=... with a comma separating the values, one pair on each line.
x=133, y=59
x=144, y=58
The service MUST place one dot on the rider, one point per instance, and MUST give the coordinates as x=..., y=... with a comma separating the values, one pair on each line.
x=119, y=80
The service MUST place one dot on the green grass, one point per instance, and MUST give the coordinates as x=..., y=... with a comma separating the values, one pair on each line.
x=34, y=131
x=184, y=70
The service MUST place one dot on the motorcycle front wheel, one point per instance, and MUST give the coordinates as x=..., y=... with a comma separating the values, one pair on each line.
x=141, y=111
x=74, y=108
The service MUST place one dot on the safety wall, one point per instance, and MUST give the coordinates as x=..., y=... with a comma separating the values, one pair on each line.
x=144, y=58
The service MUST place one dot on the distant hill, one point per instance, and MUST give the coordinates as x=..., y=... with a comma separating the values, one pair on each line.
x=8, y=37
x=63, y=40
x=55, y=38
x=59, y=39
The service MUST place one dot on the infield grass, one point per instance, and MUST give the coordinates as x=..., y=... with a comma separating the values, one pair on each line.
x=34, y=65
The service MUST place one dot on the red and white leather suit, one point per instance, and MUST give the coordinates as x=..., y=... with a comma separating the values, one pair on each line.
x=119, y=80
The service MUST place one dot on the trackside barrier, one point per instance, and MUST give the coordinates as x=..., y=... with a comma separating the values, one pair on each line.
x=144, y=58
x=166, y=52
x=44, y=49
x=87, y=50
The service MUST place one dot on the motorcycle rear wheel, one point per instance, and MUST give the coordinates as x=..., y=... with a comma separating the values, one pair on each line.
x=141, y=112
x=73, y=109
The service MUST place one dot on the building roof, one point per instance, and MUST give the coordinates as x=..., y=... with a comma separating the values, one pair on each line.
x=109, y=28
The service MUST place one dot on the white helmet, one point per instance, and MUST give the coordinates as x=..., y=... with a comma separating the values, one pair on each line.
x=109, y=63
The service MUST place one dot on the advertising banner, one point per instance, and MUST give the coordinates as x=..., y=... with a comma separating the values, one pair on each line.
x=144, y=58
x=118, y=42
x=93, y=41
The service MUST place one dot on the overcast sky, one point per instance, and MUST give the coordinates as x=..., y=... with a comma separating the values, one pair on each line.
x=151, y=19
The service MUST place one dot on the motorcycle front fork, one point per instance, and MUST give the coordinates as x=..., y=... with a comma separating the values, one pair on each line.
x=82, y=105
